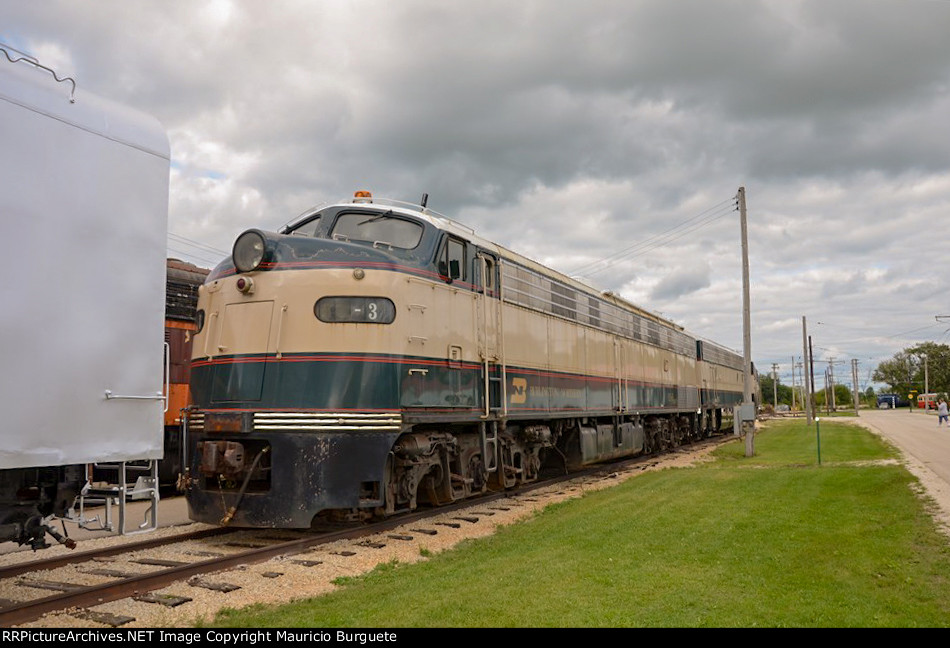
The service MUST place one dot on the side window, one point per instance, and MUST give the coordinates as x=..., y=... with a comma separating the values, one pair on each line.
x=306, y=229
x=593, y=310
x=483, y=264
x=452, y=259
x=563, y=301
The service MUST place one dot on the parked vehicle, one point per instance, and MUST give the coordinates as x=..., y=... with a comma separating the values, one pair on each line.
x=891, y=401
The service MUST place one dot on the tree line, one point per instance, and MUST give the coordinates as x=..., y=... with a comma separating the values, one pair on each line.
x=914, y=370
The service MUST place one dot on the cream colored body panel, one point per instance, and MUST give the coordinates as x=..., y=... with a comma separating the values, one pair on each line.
x=433, y=320
x=278, y=316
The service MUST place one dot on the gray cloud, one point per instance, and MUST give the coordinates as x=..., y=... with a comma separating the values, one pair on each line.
x=681, y=283
x=569, y=132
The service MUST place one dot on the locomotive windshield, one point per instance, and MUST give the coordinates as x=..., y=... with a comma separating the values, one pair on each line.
x=381, y=229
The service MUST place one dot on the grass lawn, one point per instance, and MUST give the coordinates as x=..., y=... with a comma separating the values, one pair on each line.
x=774, y=540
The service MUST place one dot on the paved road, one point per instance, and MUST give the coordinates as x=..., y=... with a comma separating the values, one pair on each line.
x=917, y=435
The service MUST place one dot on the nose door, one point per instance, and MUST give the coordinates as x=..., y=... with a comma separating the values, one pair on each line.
x=244, y=332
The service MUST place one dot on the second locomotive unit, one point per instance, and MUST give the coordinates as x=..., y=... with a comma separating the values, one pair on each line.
x=372, y=357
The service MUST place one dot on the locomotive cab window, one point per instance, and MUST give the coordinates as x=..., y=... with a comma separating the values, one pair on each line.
x=365, y=310
x=380, y=229
x=308, y=228
x=452, y=259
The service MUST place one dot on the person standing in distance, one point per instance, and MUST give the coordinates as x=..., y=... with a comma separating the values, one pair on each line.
x=942, y=413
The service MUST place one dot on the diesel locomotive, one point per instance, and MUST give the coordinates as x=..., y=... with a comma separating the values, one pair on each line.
x=375, y=356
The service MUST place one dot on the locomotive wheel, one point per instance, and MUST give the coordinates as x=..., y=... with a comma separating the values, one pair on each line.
x=431, y=493
x=476, y=470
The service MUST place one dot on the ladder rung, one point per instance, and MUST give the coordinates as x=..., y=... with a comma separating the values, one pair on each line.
x=102, y=492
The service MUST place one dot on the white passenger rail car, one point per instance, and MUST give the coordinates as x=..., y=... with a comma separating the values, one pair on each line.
x=84, y=198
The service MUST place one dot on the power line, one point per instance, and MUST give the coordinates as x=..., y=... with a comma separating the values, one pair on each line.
x=645, y=246
x=195, y=244
x=707, y=216
x=872, y=335
x=184, y=255
x=204, y=253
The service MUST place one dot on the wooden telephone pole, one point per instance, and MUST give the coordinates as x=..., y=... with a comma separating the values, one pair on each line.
x=774, y=385
x=806, y=373
x=854, y=380
x=748, y=406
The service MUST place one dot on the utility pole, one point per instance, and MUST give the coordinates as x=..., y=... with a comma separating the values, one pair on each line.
x=801, y=374
x=774, y=386
x=746, y=333
x=926, y=385
x=854, y=380
x=810, y=361
x=793, y=383
x=910, y=384
x=801, y=383
x=827, y=399
x=831, y=373
x=814, y=385
x=808, y=384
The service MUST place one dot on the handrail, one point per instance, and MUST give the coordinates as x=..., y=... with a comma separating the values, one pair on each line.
x=110, y=396
x=168, y=375
x=32, y=60
x=214, y=317
x=280, y=330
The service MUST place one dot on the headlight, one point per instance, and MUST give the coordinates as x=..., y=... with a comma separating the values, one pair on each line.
x=248, y=251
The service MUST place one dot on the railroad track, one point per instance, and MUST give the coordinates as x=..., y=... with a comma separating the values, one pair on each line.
x=201, y=554
x=254, y=546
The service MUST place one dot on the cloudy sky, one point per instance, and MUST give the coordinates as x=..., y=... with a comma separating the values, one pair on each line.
x=605, y=138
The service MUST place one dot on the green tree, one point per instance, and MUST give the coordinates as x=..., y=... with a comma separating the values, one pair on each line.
x=905, y=371
x=784, y=392
x=842, y=400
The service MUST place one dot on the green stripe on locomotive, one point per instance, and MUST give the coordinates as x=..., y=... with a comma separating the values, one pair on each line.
x=393, y=382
